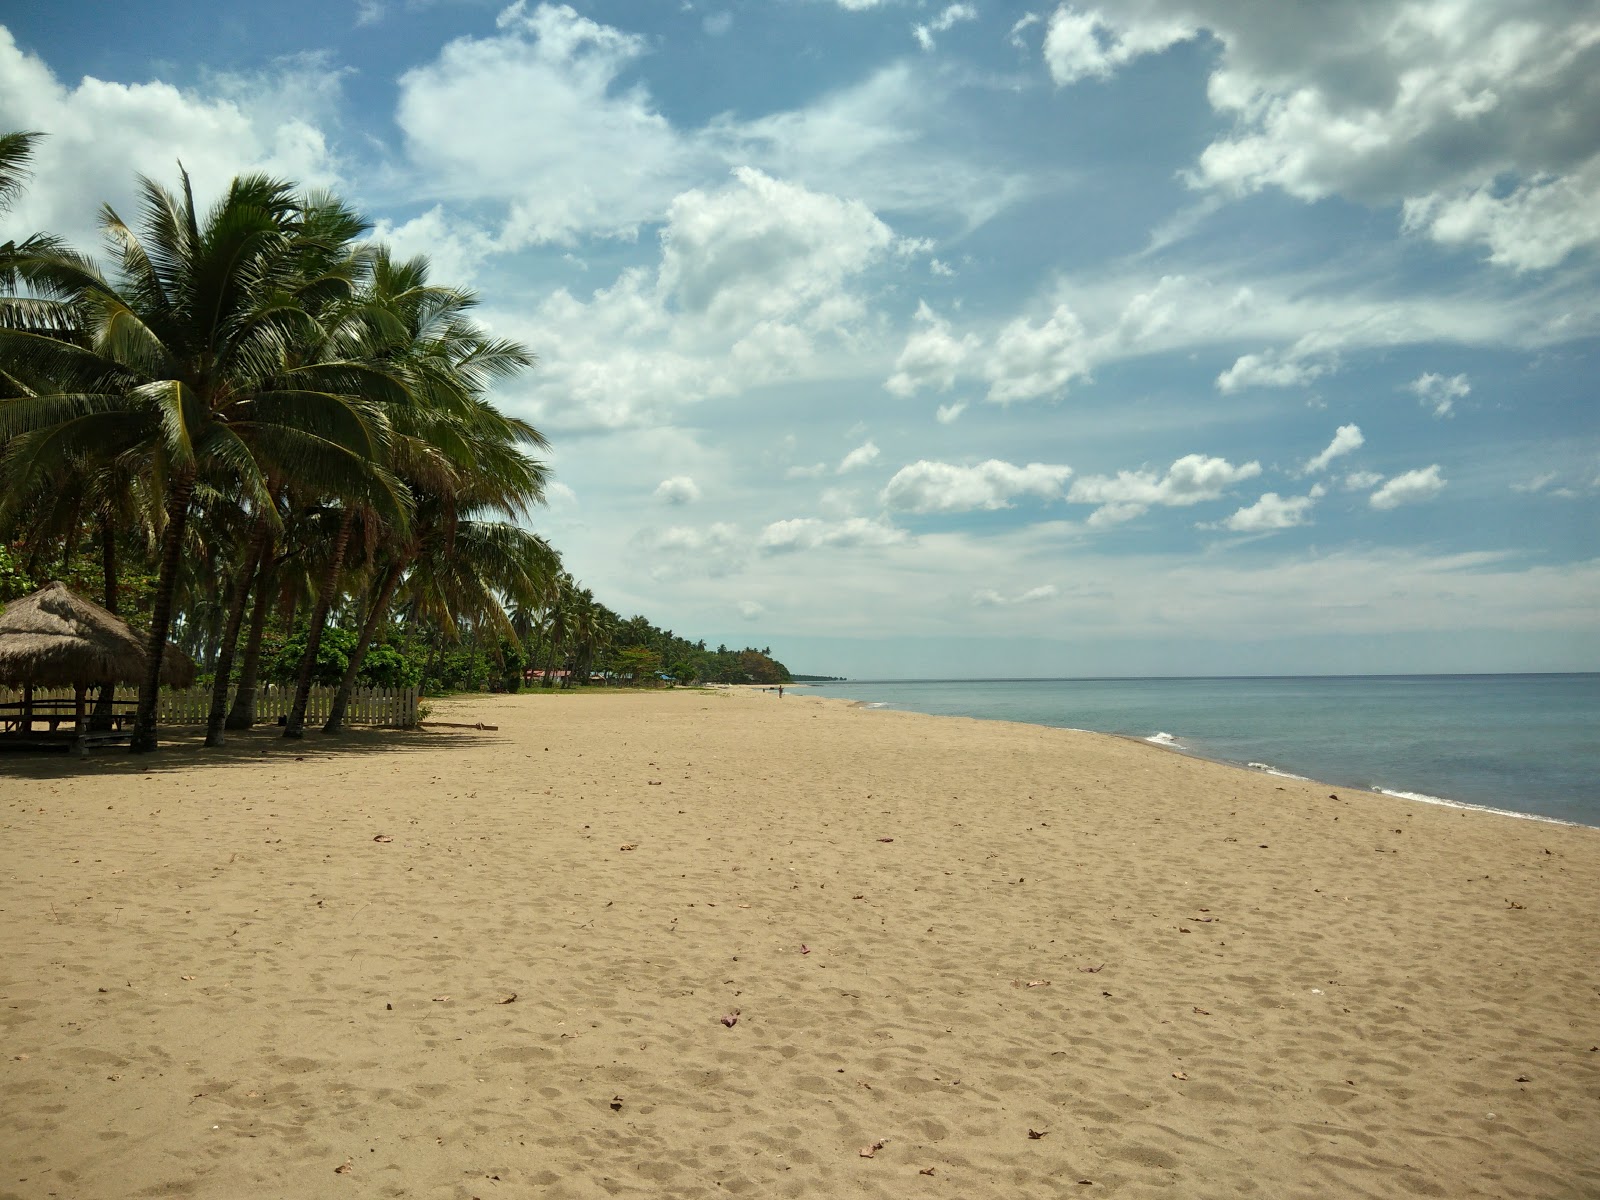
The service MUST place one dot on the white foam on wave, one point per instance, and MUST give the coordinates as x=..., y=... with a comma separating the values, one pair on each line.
x=1269, y=769
x=1163, y=739
x=1424, y=798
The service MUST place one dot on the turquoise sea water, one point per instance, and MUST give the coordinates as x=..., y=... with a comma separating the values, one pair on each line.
x=1528, y=744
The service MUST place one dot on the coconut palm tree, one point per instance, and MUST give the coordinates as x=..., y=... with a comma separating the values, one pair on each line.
x=196, y=358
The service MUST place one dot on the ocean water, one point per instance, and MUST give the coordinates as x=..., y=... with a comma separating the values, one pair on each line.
x=1527, y=744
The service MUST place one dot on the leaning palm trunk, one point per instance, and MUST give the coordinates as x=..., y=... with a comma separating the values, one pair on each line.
x=144, y=722
x=296, y=725
x=369, y=629
x=230, y=633
x=243, y=713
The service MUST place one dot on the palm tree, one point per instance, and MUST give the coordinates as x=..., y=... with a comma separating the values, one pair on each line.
x=195, y=360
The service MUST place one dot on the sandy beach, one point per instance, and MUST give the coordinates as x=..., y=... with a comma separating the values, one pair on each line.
x=691, y=944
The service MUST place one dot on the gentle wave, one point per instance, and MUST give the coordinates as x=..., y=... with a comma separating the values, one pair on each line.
x=1163, y=739
x=1269, y=769
x=1424, y=798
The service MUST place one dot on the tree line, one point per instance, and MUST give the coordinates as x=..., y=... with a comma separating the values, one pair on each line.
x=268, y=440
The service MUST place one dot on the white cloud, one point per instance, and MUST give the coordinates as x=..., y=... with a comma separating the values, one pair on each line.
x=989, y=598
x=932, y=356
x=1273, y=512
x=1092, y=45
x=1192, y=479
x=811, y=533
x=764, y=248
x=1478, y=115
x=944, y=21
x=572, y=150
x=1029, y=362
x=862, y=456
x=680, y=489
x=1533, y=228
x=455, y=248
x=754, y=280
x=1439, y=393
x=717, y=24
x=1422, y=484
x=558, y=496
x=946, y=414
x=102, y=135
x=806, y=472
x=937, y=487
x=1346, y=439
x=751, y=610
x=1468, y=112
x=1360, y=481
x=1268, y=370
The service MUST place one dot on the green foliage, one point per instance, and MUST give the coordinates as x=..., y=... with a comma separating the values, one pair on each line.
x=333, y=657
x=386, y=667
x=14, y=581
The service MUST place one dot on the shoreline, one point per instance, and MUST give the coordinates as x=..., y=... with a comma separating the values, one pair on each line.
x=678, y=943
x=1245, y=759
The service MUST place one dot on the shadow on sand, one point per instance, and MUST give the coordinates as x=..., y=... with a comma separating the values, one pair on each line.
x=183, y=749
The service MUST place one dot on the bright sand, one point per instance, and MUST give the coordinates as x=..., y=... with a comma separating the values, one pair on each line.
x=256, y=974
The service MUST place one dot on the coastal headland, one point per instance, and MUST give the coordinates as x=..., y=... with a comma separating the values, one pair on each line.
x=688, y=944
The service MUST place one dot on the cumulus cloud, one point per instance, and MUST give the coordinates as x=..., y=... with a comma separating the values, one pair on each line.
x=924, y=33
x=1192, y=479
x=601, y=158
x=863, y=455
x=680, y=489
x=102, y=135
x=811, y=533
x=1268, y=370
x=937, y=487
x=1345, y=439
x=1092, y=44
x=932, y=356
x=751, y=610
x=1480, y=118
x=1422, y=484
x=1273, y=512
x=1439, y=393
x=946, y=414
x=753, y=278
x=766, y=249
x=1360, y=481
x=1029, y=362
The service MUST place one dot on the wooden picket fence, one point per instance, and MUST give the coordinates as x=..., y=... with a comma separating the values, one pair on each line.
x=392, y=707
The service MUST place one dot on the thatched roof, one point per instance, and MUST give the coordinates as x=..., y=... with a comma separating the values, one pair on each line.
x=56, y=639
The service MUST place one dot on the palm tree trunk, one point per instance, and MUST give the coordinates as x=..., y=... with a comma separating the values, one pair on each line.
x=369, y=629
x=144, y=721
x=230, y=635
x=108, y=568
x=243, y=713
x=296, y=725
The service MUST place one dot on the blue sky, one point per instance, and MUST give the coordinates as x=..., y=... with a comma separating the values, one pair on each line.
x=1140, y=337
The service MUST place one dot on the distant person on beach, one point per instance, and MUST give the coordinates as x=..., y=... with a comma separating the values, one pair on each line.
x=780, y=692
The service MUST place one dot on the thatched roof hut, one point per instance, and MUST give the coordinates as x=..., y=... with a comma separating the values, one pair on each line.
x=54, y=638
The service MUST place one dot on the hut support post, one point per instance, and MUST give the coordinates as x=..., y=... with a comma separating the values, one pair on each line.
x=27, y=708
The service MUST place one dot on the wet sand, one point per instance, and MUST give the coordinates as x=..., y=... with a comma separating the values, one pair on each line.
x=1004, y=961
